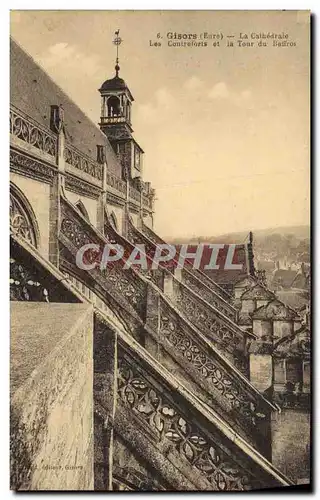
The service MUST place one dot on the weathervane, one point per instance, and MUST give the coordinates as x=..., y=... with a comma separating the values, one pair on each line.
x=117, y=40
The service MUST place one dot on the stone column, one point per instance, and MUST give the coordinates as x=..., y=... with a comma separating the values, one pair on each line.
x=126, y=211
x=260, y=357
x=57, y=125
x=168, y=288
x=101, y=158
x=152, y=322
x=108, y=397
x=261, y=368
x=139, y=184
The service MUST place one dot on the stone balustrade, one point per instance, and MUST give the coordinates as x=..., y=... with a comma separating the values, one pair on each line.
x=191, y=448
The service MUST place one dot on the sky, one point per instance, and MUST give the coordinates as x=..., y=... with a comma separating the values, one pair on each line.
x=225, y=130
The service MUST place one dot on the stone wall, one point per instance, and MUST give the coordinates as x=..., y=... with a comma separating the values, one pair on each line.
x=38, y=195
x=291, y=444
x=135, y=218
x=90, y=205
x=51, y=396
x=119, y=214
x=261, y=371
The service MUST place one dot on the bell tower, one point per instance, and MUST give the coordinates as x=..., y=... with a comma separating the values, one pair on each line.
x=115, y=120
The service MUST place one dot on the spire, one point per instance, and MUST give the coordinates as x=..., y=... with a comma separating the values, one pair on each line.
x=117, y=40
x=252, y=270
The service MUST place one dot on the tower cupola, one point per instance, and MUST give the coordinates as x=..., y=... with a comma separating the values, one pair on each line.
x=116, y=98
x=115, y=119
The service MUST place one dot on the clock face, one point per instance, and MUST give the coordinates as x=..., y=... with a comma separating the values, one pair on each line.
x=137, y=159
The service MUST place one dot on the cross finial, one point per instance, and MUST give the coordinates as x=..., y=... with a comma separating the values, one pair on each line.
x=117, y=40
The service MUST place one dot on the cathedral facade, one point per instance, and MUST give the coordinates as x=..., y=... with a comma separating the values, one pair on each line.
x=126, y=379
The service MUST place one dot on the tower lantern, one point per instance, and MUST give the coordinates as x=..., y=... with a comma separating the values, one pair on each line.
x=115, y=121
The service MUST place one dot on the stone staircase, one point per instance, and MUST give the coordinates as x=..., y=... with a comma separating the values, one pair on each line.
x=170, y=335
x=153, y=428
x=204, y=279
x=165, y=438
x=207, y=311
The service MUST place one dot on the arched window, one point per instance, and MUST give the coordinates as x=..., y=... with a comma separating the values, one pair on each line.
x=113, y=221
x=114, y=107
x=22, y=219
x=82, y=209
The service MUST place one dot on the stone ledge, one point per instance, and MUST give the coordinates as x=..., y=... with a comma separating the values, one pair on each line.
x=51, y=397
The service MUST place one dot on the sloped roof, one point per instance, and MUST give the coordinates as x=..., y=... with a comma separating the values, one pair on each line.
x=224, y=276
x=297, y=344
x=258, y=292
x=115, y=83
x=33, y=92
x=275, y=310
x=284, y=277
x=301, y=281
x=267, y=265
x=296, y=299
x=246, y=282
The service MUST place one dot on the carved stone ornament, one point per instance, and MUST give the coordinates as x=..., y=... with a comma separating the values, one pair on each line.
x=28, y=131
x=174, y=426
x=20, y=223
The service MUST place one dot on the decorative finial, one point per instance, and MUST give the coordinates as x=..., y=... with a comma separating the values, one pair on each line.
x=117, y=40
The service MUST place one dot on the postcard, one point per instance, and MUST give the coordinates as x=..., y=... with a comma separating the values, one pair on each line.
x=160, y=250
